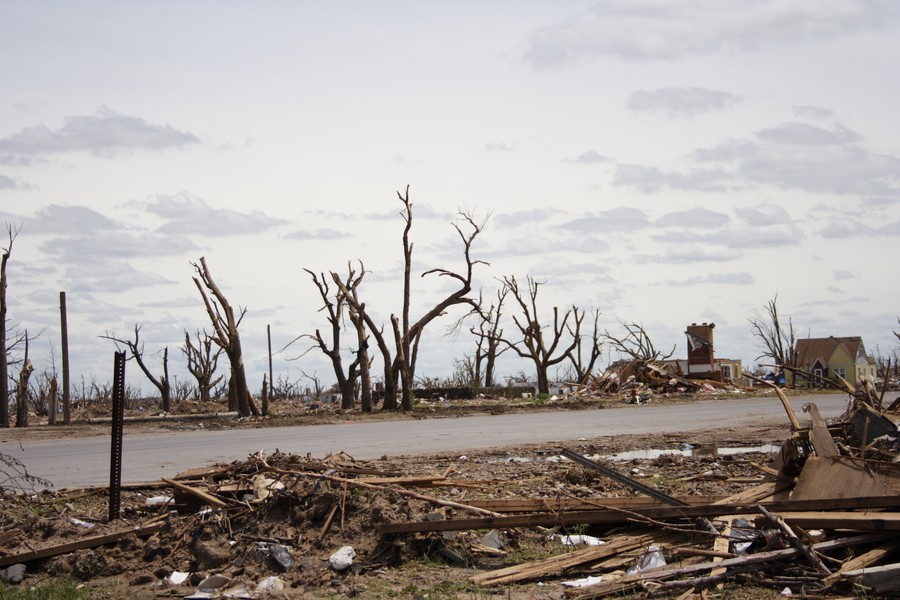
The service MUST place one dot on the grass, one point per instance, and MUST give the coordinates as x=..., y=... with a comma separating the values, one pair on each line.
x=48, y=590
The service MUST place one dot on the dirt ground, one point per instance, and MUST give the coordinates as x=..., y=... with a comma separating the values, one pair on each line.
x=311, y=507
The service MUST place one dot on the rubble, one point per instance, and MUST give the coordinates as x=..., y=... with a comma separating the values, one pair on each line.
x=819, y=516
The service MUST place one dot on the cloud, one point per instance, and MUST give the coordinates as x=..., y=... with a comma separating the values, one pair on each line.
x=701, y=218
x=690, y=254
x=614, y=220
x=525, y=217
x=86, y=248
x=739, y=237
x=763, y=214
x=843, y=274
x=802, y=134
x=501, y=147
x=589, y=158
x=663, y=30
x=318, y=234
x=652, y=179
x=799, y=156
x=814, y=112
x=741, y=278
x=680, y=102
x=7, y=183
x=108, y=276
x=846, y=227
x=104, y=134
x=188, y=214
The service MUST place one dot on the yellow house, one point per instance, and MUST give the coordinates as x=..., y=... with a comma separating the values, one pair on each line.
x=827, y=357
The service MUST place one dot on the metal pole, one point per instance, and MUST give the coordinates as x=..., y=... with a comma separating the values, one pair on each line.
x=67, y=403
x=118, y=418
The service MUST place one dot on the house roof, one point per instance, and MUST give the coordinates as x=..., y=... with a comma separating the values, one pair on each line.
x=810, y=349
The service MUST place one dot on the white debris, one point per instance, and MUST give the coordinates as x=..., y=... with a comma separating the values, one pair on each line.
x=583, y=582
x=575, y=540
x=177, y=577
x=342, y=559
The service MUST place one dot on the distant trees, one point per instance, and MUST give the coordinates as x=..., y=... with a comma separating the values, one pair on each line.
x=776, y=338
x=399, y=361
x=543, y=345
x=136, y=349
x=202, y=362
x=636, y=343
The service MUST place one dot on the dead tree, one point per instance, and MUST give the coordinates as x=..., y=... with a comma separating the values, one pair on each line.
x=407, y=334
x=334, y=306
x=583, y=364
x=22, y=388
x=225, y=326
x=778, y=341
x=487, y=332
x=11, y=232
x=136, y=349
x=362, y=320
x=636, y=344
x=543, y=351
x=202, y=362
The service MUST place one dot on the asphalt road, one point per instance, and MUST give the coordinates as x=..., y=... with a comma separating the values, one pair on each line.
x=82, y=462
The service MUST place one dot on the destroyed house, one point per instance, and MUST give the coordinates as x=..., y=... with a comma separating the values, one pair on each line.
x=701, y=361
x=832, y=357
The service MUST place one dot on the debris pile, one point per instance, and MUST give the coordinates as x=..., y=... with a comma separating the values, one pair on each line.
x=820, y=516
x=639, y=381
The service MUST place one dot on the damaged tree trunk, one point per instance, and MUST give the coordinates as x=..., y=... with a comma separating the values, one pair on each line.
x=221, y=314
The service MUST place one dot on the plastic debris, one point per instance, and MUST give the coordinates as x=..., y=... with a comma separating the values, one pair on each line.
x=342, y=559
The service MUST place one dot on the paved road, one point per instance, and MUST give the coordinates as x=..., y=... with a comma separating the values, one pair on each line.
x=80, y=462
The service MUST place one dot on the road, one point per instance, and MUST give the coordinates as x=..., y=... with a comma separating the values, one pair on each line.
x=82, y=462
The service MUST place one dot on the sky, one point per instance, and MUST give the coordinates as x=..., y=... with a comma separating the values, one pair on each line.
x=663, y=163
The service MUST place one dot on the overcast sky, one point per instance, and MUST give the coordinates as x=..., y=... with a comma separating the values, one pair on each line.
x=661, y=162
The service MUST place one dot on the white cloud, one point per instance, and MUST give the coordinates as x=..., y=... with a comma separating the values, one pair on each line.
x=701, y=218
x=690, y=254
x=7, y=183
x=589, y=158
x=614, y=220
x=187, y=213
x=680, y=102
x=664, y=30
x=104, y=133
x=652, y=179
x=763, y=214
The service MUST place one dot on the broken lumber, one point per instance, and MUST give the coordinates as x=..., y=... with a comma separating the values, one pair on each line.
x=200, y=494
x=83, y=543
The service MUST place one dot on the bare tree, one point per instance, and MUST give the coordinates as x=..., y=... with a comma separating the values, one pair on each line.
x=225, y=326
x=202, y=362
x=488, y=333
x=136, y=348
x=581, y=364
x=777, y=340
x=12, y=233
x=637, y=344
x=334, y=306
x=361, y=320
x=407, y=335
x=543, y=351
x=22, y=388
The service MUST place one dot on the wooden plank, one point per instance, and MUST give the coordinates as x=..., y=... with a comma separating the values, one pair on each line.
x=560, y=563
x=819, y=435
x=860, y=521
x=608, y=517
x=556, y=504
x=205, y=497
x=846, y=477
x=862, y=561
x=885, y=578
x=756, y=493
x=83, y=543
x=669, y=572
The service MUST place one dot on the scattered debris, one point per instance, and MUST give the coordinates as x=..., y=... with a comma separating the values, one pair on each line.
x=820, y=516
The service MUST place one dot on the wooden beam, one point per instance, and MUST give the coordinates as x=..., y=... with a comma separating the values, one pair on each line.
x=88, y=542
x=205, y=497
x=608, y=517
x=820, y=437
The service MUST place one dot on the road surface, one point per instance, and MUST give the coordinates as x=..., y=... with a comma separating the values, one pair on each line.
x=82, y=462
